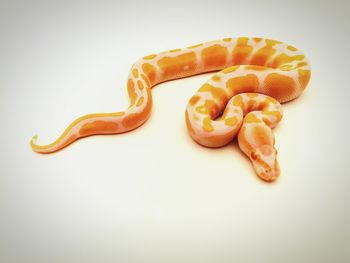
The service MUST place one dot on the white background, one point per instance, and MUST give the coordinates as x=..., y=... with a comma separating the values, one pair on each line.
x=153, y=194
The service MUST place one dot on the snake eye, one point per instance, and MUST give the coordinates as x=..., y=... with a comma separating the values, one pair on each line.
x=254, y=156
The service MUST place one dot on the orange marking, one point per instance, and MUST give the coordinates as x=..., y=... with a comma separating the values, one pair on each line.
x=194, y=100
x=70, y=140
x=99, y=127
x=131, y=91
x=135, y=73
x=250, y=105
x=140, y=84
x=207, y=125
x=228, y=39
x=241, y=51
x=279, y=86
x=257, y=39
x=150, y=71
x=304, y=77
x=134, y=120
x=216, y=78
x=174, y=66
x=248, y=83
x=262, y=55
x=214, y=57
x=260, y=136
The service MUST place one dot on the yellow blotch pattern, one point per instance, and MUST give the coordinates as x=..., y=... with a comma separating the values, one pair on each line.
x=135, y=73
x=271, y=42
x=207, y=125
x=232, y=121
x=140, y=84
x=229, y=69
x=238, y=101
x=152, y=56
x=291, y=48
x=140, y=101
x=117, y=114
x=217, y=93
x=131, y=91
x=194, y=46
x=251, y=118
x=175, y=50
x=255, y=67
x=284, y=59
x=208, y=107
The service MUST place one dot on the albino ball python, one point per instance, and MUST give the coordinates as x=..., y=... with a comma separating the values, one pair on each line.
x=256, y=74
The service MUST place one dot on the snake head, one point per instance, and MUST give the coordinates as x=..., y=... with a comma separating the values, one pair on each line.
x=265, y=163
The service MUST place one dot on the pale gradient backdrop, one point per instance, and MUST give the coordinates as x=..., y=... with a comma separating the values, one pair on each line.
x=154, y=195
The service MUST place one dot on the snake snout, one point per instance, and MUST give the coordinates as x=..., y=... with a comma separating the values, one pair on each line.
x=270, y=174
x=265, y=163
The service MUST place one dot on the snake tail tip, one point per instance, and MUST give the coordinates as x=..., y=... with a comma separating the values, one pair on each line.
x=33, y=141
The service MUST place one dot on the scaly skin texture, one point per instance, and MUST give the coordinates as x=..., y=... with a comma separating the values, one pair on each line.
x=256, y=75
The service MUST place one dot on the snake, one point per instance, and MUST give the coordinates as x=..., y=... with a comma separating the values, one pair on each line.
x=252, y=76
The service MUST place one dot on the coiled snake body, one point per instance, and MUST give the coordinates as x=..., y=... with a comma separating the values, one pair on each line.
x=244, y=97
